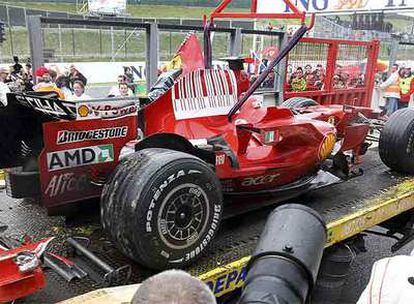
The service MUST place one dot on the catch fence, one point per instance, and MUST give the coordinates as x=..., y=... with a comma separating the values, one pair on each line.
x=332, y=71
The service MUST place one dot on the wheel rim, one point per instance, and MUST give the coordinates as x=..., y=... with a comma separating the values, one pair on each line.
x=183, y=216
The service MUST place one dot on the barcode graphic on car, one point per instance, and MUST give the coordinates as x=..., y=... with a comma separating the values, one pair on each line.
x=204, y=93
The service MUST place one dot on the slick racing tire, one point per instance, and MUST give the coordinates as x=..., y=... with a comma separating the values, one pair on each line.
x=298, y=102
x=396, y=144
x=162, y=207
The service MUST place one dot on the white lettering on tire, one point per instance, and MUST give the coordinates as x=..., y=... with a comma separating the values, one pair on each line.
x=213, y=226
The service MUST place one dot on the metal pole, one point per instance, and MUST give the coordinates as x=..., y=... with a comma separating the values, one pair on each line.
x=152, y=57
x=112, y=43
x=170, y=53
x=10, y=32
x=236, y=42
x=25, y=16
x=254, y=38
x=280, y=74
x=125, y=43
x=100, y=42
x=60, y=43
x=395, y=45
x=35, y=41
x=73, y=43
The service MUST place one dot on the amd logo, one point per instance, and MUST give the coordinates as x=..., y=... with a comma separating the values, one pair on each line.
x=80, y=157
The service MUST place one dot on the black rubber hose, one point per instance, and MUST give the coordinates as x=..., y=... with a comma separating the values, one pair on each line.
x=285, y=264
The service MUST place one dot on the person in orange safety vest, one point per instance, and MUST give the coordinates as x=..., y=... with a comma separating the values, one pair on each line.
x=391, y=89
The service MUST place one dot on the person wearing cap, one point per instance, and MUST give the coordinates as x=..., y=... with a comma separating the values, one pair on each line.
x=45, y=83
x=4, y=89
x=75, y=75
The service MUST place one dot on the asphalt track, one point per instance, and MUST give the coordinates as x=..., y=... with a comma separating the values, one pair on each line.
x=236, y=238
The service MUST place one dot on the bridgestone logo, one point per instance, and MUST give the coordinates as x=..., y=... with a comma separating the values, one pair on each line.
x=66, y=137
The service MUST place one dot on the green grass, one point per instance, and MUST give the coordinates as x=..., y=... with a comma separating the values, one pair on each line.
x=94, y=45
x=147, y=11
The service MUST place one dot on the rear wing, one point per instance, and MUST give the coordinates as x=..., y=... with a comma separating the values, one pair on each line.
x=55, y=109
x=44, y=104
x=22, y=120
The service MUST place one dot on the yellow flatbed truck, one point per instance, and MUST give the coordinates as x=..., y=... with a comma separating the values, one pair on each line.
x=348, y=208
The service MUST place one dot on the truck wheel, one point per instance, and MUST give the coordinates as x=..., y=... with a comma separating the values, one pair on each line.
x=396, y=144
x=298, y=102
x=162, y=207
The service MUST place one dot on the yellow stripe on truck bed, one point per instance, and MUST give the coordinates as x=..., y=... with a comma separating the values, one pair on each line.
x=230, y=277
x=394, y=201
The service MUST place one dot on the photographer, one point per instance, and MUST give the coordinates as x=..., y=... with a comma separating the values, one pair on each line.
x=174, y=287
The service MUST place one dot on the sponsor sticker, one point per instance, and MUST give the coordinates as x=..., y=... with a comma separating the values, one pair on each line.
x=108, y=109
x=228, y=281
x=220, y=159
x=66, y=183
x=52, y=107
x=85, y=156
x=67, y=137
x=332, y=120
x=259, y=180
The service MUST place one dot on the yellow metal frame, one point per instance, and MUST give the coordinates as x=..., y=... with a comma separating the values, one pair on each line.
x=230, y=277
x=395, y=201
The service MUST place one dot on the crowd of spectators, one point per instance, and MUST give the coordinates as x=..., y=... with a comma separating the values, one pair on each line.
x=312, y=78
x=67, y=84
x=308, y=79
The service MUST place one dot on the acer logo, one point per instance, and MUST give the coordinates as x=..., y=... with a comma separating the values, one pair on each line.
x=260, y=180
x=66, y=183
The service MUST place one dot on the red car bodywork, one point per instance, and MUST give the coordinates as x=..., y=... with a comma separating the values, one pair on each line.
x=257, y=149
x=260, y=148
x=15, y=283
x=293, y=155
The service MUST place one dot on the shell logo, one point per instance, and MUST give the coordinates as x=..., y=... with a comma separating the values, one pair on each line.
x=83, y=111
x=332, y=120
x=327, y=146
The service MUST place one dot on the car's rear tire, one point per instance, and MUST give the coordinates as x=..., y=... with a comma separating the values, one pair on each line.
x=299, y=102
x=162, y=207
x=396, y=144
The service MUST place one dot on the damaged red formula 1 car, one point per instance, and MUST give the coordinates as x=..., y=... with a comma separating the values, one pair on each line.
x=209, y=146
